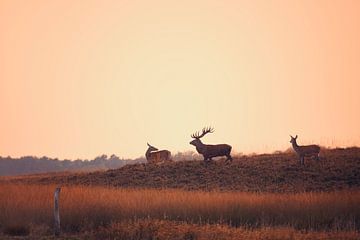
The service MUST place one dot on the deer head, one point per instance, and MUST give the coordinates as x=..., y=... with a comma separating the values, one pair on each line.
x=197, y=135
x=293, y=139
x=151, y=148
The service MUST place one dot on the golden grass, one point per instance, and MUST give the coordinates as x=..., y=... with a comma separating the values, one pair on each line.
x=170, y=230
x=84, y=208
x=149, y=229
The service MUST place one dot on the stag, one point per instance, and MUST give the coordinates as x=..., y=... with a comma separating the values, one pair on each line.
x=153, y=155
x=210, y=151
x=305, y=151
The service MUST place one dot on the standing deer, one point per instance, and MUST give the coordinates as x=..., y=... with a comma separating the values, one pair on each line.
x=305, y=151
x=210, y=151
x=153, y=155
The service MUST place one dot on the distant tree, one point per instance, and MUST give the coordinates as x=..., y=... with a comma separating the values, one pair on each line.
x=186, y=156
x=113, y=157
x=101, y=158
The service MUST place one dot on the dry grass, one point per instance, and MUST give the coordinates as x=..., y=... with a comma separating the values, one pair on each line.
x=275, y=198
x=161, y=230
x=148, y=229
x=86, y=208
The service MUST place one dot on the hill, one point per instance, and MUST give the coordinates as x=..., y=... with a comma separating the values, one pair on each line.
x=281, y=172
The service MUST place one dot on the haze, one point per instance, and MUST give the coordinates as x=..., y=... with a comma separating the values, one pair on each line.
x=80, y=79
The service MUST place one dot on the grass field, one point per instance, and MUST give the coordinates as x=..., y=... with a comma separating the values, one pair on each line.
x=268, y=196
x=28, y=208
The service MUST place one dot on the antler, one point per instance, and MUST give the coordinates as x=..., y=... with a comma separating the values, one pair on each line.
x=204, y=132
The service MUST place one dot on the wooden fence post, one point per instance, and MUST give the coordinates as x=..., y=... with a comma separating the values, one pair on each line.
x=56, y=211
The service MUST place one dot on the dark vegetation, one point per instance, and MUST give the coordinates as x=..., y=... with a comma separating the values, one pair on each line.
x=338, y=169
x=32, y=165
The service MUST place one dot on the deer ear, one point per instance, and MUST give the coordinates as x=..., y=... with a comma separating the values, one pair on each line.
x=148, y=144
x=296, y=137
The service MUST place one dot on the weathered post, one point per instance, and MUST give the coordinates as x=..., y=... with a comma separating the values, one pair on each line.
x=56, y=211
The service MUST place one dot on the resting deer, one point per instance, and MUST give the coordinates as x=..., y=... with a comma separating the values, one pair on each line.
x=153, y=155
x=210, y=151
x=305, y=151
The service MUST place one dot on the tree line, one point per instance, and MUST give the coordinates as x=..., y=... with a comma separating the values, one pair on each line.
x=31, y=164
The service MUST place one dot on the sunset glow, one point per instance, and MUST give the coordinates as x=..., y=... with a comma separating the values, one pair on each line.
x=84, y=78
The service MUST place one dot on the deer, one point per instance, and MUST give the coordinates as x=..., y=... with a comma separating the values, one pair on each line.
x=154, y=156
x=305, y=151
x=209, y=151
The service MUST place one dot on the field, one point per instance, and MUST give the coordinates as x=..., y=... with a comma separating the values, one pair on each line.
x=256, y=197
x=85, y=209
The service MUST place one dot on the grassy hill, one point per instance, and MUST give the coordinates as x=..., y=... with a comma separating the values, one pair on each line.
x=338, y=169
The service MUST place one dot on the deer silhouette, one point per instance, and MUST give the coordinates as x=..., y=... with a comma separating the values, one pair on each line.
x=209, y=151
x=305, y=151
x=154, y=156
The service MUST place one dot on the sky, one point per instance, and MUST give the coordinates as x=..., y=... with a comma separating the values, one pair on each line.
x=83, y=78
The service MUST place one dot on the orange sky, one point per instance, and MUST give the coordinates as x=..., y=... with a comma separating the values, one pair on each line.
x=83, y=78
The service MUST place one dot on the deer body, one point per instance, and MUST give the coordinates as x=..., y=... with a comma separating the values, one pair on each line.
x=305, y=151
x=154, y=156
x=209, y=151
